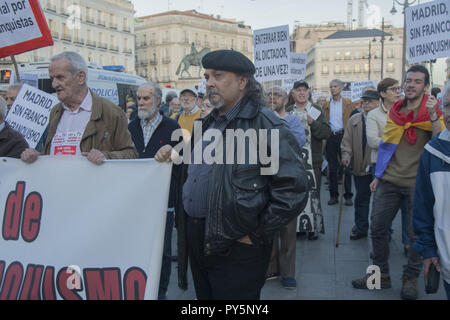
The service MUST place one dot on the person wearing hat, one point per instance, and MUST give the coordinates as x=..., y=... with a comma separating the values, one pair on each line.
x=356, y=150
x=227, y=214
x=317, y=129
x=190, y=113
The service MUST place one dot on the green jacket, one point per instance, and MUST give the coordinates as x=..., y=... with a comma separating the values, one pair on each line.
x=106, y=131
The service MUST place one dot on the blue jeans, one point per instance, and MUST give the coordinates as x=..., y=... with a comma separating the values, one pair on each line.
x=362, y=203
x=166, y=265
x=447, y=289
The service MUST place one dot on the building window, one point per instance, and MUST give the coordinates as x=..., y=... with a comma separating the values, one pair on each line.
x=390, y=67
x=348, y=55
x=357, y=68
x=390, y=53
x=347, y=69
x=337, y=68
x=324, y=56
x=357, y=55
x=338, y=56
x=325, y=69
x=366, y=67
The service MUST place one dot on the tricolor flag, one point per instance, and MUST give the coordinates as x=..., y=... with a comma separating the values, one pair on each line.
x=399, y=123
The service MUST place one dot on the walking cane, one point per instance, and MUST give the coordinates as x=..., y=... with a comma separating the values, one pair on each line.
x=340, y=209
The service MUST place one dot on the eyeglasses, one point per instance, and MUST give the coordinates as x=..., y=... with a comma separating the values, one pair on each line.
x=395, y=88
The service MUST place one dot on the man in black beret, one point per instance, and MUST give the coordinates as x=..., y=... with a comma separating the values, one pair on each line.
x=228, y=211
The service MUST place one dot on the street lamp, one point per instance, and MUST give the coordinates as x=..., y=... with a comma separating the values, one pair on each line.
x=405, y=5
x=382, y=45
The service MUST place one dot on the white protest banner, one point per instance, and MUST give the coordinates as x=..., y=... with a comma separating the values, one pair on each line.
x=297, y=68
x=22, y=27
x=30, y=113
x=271, y=52
x=31, y=79
x=358, y=86
x=428, y=31
x=73, y=230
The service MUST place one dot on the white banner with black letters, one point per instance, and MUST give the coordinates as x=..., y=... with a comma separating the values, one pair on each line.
x=74, y=230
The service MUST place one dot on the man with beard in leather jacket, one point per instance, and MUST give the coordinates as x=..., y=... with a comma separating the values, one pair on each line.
x=227, y=212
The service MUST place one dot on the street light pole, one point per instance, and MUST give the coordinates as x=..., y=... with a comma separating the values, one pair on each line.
x=370, y=56
x=382, y=48
x=405, y=5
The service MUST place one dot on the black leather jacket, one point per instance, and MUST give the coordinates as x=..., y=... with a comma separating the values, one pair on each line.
x=241, y=201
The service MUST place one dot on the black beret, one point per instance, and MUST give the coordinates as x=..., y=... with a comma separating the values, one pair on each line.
x=228, y=60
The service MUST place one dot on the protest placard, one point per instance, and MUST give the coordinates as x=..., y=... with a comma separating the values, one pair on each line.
x=358, y=86
x=22, y=27
x=30, y=113
x=31, y=79
x=103, y=243
x=428, y=31
x=272, y=52
x=297, y=69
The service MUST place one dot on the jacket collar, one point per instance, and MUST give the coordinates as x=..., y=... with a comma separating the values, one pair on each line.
x=248, y=110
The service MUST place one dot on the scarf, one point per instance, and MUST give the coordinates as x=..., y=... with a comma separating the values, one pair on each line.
x=398, y=124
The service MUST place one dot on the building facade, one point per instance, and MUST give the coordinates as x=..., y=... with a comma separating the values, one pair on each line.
x=169, y=45
x=353, y=55
x=101, y=31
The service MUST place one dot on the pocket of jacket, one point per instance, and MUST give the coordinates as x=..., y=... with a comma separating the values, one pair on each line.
x=250, y=198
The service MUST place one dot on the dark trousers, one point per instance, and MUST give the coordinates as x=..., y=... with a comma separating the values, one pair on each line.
x=236, y=274
x=166, y=265
x=362, y=202
x=282, y=260
x=387, y=201
x=333, y=152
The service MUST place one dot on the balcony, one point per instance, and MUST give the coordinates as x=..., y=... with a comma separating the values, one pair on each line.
x=101, y=23
x=144, y=62
x=90, y=20
x=166, y=60
x=153, y=61
x=64, y=12
x=78, y=40
x=114, y=48
x=129, y=51
x=91, y=43
x=126, y=29
x=51, y=7
x=55, y=35
x=113, y=26
x=102, y=45
x=66, y=37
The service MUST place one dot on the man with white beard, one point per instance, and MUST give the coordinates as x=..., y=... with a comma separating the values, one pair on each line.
x=150, y=131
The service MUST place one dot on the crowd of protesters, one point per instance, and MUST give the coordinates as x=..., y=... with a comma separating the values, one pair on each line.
x=237, y=228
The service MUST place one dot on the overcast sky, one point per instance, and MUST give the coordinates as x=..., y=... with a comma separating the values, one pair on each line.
x=261, y=14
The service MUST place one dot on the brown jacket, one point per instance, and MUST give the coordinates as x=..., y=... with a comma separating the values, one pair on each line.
x=106, y=131
x=347, y=107
x=351, y=146
x=12, y=143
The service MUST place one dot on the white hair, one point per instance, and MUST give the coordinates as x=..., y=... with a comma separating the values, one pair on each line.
x=339, y=82
x=157, y=90
x=3, y=109
x=76, y=61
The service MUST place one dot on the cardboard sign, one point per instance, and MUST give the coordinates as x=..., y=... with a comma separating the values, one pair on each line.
x=100, y=243
x=22, y=27
x=30, y=113
x=272, y=53
x=428, y=31
x=358, y=86
x=297, y=68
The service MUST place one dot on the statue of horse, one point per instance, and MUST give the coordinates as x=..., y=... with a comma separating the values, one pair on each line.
x=192, y=60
